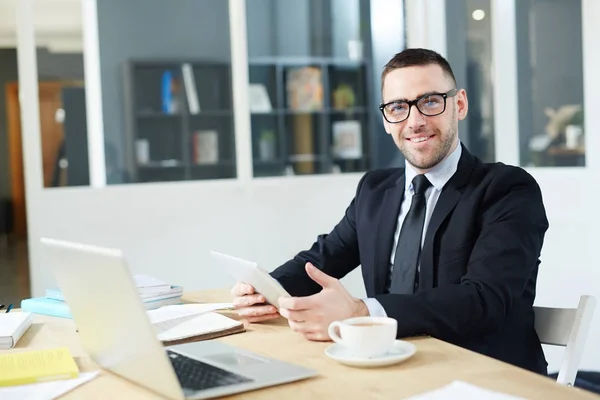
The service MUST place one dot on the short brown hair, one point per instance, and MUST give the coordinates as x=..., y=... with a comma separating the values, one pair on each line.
x=416, y=57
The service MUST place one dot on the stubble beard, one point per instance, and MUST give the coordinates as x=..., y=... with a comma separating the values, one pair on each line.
x=439, y=153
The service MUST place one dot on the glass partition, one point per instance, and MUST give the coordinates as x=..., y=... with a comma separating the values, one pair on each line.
x=310, y=86
x=166, y=88
x=469, y=46
x=62, y=104
x=550, y=82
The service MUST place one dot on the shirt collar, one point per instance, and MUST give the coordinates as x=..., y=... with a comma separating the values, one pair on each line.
x=439, y=175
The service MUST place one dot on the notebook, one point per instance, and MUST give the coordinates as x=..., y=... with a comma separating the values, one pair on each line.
x=37, y=366
x=12, y=326
x=190, y=328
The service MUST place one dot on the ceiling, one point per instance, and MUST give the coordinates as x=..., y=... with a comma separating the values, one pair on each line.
x=57, y=24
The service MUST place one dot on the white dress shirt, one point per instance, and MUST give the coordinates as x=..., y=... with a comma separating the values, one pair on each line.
x=438, y=177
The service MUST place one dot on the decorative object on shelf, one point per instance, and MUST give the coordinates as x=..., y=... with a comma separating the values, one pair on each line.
x=558, y=119
x=259, y=98
x=573, y=136
x=171, y=103
x=355, y=50
x=206, y=147
x=267, y=145
x=190, y=88
x=347, y=140
x=142, y=151
x=343, y=97
x=303, y=143
x=305, y=89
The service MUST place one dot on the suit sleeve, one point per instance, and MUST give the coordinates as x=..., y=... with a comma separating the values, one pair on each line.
x=504, y=258
x=335, y=253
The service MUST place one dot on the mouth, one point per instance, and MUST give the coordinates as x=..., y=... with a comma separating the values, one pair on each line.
x=419, y=139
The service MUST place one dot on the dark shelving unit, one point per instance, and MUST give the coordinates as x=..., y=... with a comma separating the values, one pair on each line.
x=313, y=153
x=170, y=134
x=284, y=139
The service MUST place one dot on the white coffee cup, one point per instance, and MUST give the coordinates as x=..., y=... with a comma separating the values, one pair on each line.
x=365, y=336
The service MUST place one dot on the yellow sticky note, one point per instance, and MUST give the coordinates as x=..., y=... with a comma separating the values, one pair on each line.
x=37, y=366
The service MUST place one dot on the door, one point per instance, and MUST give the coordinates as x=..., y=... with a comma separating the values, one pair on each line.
x=51, y=126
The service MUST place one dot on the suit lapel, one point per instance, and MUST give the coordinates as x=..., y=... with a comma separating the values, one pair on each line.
x=448, y=199
x=386, y=227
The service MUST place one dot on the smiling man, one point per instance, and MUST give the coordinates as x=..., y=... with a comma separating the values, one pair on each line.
x=449, y=246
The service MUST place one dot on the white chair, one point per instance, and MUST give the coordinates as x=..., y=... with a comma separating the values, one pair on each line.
x=566, y=327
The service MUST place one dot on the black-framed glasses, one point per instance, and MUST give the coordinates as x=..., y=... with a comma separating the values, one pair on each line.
x=430, y=104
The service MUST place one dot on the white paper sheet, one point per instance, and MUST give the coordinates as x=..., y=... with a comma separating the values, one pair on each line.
x=45, y=390
x=179, y=311
x=459, y=390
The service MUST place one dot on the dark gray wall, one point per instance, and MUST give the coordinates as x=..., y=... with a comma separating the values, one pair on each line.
x=261, y=29
x=153, y=29
x=8, y=73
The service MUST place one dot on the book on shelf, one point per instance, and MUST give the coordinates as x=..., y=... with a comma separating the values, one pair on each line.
x=191, y=92
x=205, y=147
x=304, y=89
x=347, y=140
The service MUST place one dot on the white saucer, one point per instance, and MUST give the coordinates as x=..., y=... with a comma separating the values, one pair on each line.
x=399, y=352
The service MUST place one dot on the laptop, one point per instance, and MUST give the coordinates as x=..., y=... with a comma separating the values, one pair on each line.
x=116, y=332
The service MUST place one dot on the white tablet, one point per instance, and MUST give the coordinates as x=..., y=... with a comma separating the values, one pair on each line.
x=251, y=273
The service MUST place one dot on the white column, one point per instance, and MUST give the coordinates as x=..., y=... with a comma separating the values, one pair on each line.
x=240, y=80
x=426, y=24
x=93, y=94
x=506, y=105
x=30, y=122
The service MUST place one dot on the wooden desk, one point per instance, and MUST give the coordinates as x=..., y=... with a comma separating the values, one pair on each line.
x=435, y=364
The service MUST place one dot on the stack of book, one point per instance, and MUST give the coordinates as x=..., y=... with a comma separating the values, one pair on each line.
x=153, y=292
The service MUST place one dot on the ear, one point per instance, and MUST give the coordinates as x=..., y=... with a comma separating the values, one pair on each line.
x=462, y=104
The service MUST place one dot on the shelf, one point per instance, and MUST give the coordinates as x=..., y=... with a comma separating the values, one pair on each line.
x=162, y=164
x=156, y=114
x=226, y=163
x=213, y=113
x=269, y=163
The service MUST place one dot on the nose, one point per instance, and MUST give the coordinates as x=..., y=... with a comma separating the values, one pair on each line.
x=415, y=120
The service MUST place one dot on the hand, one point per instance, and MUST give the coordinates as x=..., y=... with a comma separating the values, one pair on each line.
x=250, y=305
x=311, y=315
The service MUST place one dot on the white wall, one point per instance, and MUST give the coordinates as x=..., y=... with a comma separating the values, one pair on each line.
x=57, y=24
x=167, y=229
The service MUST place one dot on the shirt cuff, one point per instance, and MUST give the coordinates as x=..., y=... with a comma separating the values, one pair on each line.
x=375, y=308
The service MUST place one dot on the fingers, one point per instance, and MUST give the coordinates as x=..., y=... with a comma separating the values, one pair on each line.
x=248, y=300
x=242, y=289
x=256, y=311
x=296, y=303
x=310, y=331
x=302, y=315
x=262, y=318
x=317, y=336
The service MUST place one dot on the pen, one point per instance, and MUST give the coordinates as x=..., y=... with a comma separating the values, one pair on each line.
x=10, y=306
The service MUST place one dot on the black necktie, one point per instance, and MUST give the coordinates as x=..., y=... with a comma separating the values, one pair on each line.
x=404, y=272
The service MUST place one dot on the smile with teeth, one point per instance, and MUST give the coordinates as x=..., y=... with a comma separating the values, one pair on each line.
x=420, y=139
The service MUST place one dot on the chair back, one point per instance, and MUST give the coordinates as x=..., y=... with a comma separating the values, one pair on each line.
x=566, y=327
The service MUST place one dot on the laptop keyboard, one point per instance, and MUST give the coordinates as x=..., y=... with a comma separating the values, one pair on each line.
x=196, y=375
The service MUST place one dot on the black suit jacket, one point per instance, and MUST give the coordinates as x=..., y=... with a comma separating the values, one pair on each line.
x=479, y=261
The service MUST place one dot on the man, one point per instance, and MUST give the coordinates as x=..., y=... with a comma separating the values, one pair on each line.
x=449, y=246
